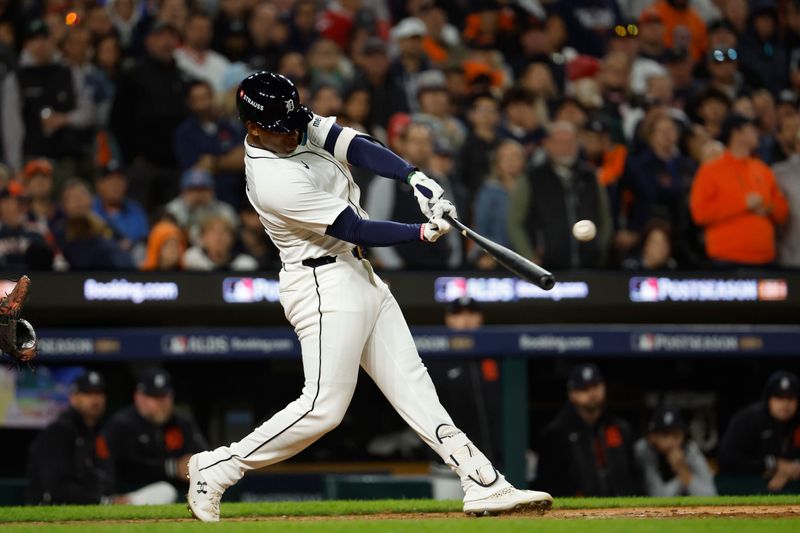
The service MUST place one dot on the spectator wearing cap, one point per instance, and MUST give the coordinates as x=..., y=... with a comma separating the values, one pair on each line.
x=442, y=168
x=762, y=50
x=409, y=63
x=683, y=26
x=483, y=116
x=149, y=441
x=44, y=105
x=208, y=140
x=651, y=36
x=166, y=245
x=588, y=23
x=68, y=462
x=125, y=216
x=603, y=153
x=522, y=120
x=493, y=199
x=216, y=249
x=23, y=247
x=671, y=463
x=372, y=64
x=736, y=199
x=679, y=66
x=587, y=451
x=762, y=440
x=148, y=105
x=787, y=174
x=554, y=196
x=435, y=108
x=195, y=57
x=196, y=202
x=38, y=181
x=651, y=50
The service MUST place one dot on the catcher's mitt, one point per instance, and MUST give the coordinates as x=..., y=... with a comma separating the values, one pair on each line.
x=17, y=336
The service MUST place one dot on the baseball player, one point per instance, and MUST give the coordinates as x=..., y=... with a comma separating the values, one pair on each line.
x=299, y=182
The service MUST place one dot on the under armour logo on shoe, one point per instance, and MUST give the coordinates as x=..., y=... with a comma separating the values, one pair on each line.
x=202, y=487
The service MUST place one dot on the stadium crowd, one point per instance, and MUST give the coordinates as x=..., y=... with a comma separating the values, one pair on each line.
x=673, y=125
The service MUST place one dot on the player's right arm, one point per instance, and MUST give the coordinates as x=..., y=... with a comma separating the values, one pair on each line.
x=298, y=200
x=353, y=147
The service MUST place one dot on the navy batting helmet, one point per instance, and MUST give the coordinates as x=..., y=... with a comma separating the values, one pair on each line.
x=271, y=101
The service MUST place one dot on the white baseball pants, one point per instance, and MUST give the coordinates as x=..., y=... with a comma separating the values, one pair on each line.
x=344, y=316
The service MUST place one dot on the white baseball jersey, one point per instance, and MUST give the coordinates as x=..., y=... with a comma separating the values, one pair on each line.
x=297, y=196
x=345, y=317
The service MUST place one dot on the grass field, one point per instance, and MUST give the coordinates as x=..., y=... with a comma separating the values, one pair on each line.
x=773, y=514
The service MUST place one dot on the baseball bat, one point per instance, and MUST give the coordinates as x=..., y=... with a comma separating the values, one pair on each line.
x=511, y=260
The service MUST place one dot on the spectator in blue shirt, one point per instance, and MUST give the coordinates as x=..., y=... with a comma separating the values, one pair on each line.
x=492, y=200
x=126, y=217
x=205, y=140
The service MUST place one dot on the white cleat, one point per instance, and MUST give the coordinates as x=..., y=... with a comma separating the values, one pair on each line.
x=202, y=499
x=510, y=500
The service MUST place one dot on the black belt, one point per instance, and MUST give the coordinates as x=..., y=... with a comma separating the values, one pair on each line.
x=314, y=262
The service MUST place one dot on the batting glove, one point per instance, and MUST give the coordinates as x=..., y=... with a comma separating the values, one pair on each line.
x=444, y=207
x=433, y=229
x=426, y=191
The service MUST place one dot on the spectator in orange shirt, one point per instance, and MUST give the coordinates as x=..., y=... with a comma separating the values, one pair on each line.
x=683, y=27
x=736, y=199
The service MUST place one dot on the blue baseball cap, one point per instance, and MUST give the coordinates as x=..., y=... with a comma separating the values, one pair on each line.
x=197, y=178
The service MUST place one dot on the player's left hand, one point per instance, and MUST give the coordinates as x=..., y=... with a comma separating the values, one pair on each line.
x=444, y=207
x=426, y=191
x=433, y=229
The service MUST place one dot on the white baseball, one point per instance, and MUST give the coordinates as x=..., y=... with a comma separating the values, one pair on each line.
x=584, y=230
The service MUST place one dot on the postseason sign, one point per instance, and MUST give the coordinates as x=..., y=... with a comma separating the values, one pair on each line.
x=653, y=289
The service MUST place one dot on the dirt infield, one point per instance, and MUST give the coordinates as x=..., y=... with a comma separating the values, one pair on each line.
x=736, y=511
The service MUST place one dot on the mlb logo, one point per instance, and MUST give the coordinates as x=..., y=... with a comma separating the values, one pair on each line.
x=238, y=290
x=175, y=344
x=449, y=289
x=645, y=343
x=643, y=290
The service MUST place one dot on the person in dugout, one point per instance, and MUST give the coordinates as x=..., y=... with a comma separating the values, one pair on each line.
x=672, y=463
x=762, y=441
x=68, y=462
x=587, y=451
x=149, y=441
